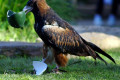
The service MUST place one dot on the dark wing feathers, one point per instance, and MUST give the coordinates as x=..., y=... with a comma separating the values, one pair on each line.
x=65, y=39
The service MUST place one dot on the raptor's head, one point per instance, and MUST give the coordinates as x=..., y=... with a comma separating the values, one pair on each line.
x=34, y=5
x=30, y=6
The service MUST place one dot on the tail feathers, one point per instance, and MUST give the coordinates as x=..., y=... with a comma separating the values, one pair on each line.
x=101, y=58
x=97, y=49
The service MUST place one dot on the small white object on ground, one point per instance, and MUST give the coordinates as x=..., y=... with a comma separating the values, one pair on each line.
x=39, y=67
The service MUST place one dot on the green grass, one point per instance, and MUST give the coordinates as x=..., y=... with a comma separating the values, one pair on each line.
x=20, y=68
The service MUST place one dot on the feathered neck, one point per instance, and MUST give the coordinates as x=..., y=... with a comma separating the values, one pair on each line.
x=42, y=6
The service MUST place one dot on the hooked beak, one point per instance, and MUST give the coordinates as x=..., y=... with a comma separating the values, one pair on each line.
x=27, y=9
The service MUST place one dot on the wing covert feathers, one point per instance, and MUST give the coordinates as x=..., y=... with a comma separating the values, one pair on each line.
x=63, y=38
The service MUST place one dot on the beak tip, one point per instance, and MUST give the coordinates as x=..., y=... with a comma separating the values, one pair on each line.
x=27, y=9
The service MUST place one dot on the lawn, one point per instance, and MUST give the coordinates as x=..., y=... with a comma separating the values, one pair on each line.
x=20, y=68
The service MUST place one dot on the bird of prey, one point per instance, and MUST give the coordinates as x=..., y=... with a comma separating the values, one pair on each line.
x=58, y=35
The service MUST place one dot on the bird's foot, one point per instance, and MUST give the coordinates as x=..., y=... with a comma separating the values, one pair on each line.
x=56, y=71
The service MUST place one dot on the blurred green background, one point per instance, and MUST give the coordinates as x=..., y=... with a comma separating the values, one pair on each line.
x=7, y=33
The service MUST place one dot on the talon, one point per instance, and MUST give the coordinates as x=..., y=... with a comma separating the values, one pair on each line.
x=55, y=70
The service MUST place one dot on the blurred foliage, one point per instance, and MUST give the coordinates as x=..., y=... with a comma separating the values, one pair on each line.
x=62, y=7
x=14, y=34
x=7, y=33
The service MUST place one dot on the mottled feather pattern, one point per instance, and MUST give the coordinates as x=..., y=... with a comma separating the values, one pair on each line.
x=64, y=38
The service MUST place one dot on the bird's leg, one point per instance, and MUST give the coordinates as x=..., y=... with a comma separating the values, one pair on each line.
x=61, y=61
x=57, y=70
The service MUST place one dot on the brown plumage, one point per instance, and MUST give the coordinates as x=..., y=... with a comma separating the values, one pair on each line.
x=49, y=55
x=59, y=36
